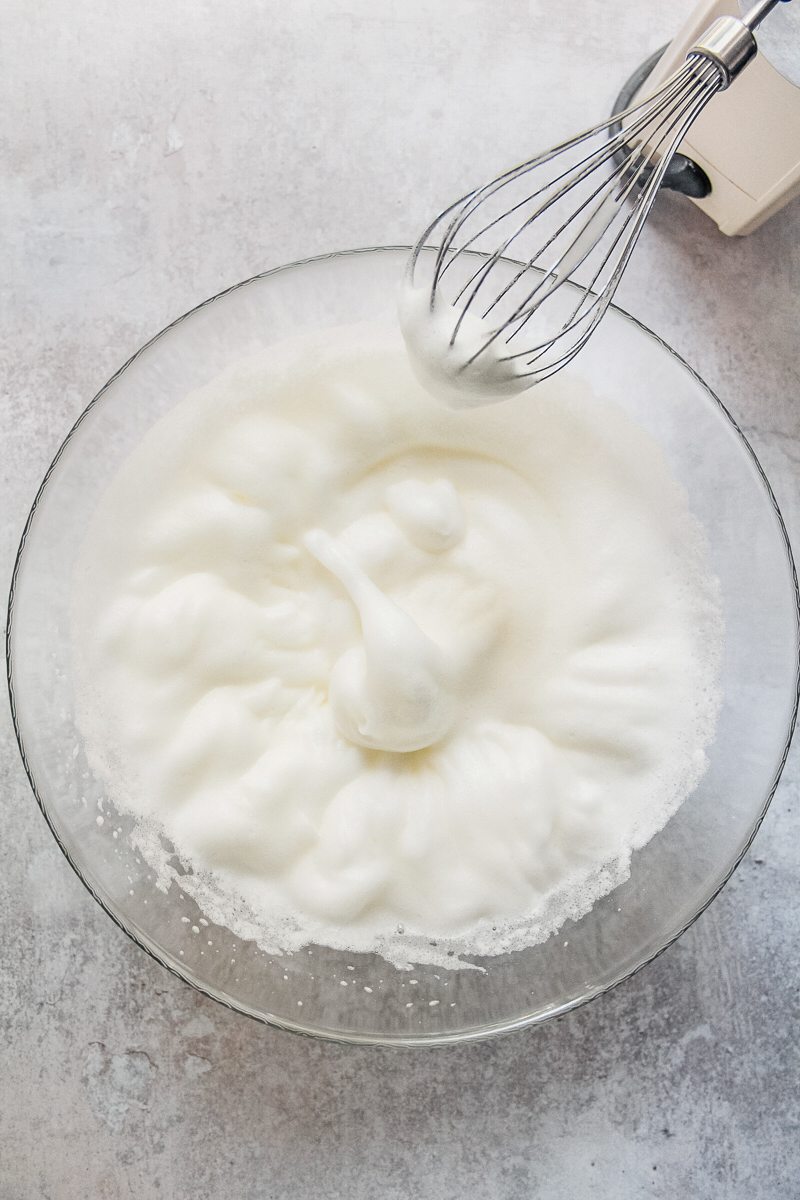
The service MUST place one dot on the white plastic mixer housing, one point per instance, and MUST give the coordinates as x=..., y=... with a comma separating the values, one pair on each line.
x=747, y=139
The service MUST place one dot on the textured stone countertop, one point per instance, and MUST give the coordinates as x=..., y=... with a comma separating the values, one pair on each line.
x=153, y=153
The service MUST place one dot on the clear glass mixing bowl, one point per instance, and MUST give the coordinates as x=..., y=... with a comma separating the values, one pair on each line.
x=672, y=879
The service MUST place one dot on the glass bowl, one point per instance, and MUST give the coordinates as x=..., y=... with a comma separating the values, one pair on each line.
x=360, y=998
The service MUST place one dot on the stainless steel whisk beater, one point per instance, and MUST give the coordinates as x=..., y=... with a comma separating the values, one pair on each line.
x=578, y=207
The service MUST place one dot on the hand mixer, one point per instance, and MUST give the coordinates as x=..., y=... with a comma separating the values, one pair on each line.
x=487, y=326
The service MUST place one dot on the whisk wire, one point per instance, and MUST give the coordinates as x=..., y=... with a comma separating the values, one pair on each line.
x=591, y=207
x=633, y=172
x=573, y=175
x=639, y=215
x=663, y=105
x=608, y=148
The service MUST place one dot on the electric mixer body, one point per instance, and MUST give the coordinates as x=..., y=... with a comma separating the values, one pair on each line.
x=747, y=143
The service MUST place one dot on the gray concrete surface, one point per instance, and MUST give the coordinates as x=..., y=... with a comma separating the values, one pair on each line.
x=152, y=153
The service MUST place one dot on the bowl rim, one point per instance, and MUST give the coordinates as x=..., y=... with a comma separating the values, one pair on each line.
x=348, y=1037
